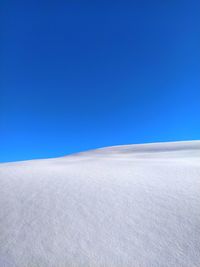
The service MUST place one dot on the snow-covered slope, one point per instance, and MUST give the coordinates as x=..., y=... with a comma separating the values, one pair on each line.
x=123, y=206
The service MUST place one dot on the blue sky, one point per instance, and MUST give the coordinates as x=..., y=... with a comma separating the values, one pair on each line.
x=76, y=75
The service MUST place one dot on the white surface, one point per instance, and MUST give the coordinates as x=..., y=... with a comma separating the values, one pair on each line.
x=123, y=206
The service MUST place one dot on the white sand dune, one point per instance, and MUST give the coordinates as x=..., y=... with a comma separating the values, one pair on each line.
x=123, y=206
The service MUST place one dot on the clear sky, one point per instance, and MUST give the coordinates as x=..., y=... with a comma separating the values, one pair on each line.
x=76, y=75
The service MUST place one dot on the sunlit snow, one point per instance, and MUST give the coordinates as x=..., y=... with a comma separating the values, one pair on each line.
x=122, y=206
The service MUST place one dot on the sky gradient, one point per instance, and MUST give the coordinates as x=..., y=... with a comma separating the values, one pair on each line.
x=76, y=75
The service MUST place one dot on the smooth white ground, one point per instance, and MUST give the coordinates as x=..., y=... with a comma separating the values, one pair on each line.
x=123, y=206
